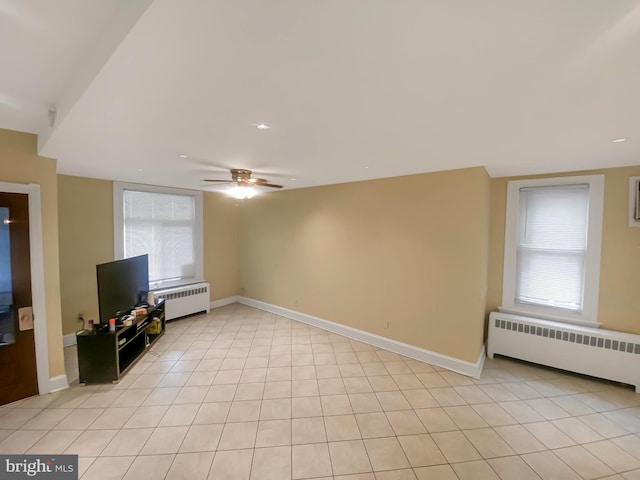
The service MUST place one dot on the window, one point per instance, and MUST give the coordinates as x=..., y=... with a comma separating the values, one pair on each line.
x=552, y=248
x=164, y=223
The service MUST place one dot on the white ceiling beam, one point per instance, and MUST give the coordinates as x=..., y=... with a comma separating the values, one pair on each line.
x=79, y=80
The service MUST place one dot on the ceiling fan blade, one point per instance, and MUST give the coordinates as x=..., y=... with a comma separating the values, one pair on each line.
x=242, y=177
x=265, y=184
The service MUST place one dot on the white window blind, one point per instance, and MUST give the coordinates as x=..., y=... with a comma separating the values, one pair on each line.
x=552, y=246
x=165, y=227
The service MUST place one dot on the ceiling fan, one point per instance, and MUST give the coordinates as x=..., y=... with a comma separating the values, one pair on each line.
x=244, y=183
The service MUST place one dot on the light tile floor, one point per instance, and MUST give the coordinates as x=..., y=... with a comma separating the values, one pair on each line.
x=245, y=394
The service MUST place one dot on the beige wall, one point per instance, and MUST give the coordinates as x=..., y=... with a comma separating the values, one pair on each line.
x=221, y=215
x=619, y=299
x=408, y=250
x=20, y=163
x=418, y=251
x=86, y=239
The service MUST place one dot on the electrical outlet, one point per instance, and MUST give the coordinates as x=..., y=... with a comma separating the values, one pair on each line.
x=80, y=317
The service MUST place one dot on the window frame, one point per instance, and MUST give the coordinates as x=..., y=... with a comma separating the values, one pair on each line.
x=118, y=227
x=588, y=316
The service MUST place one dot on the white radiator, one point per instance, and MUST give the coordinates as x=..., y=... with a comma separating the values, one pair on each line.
x=590, y=351
x=185, y=300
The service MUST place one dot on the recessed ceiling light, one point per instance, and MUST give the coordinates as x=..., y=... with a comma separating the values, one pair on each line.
x=262, y=126
x=183, y=155
x=619, y=140
x=366, y=166
x=139, y=169
x=293, y=179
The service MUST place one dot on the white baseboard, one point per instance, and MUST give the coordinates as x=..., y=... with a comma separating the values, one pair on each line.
x=224, y=301
x=57, y=383
x=464, y=367
x=68, y=340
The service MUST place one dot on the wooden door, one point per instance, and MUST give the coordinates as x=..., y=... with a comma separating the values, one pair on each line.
x=18, y=371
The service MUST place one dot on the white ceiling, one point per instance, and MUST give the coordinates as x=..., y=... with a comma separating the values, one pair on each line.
x=398, y=86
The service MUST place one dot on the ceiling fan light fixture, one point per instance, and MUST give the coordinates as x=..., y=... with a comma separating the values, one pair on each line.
x=241, y=192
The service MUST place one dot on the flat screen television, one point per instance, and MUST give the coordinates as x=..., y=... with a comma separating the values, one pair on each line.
x=122, y=285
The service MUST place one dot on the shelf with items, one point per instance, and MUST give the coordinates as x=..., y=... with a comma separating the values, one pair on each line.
x=105, y=356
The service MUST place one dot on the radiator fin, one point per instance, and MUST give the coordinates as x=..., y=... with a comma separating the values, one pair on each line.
x=185, y=293
x=591, y=340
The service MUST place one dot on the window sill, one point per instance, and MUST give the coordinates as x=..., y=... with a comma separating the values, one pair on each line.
x=545, y=315
x=176, y=284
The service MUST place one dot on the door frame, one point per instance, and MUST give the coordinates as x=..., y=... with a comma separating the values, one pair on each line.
x=38, y=297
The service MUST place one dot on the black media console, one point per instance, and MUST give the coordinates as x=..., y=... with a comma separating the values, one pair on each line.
x=105, y=356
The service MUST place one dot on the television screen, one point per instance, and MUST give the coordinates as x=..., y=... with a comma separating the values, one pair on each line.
x=122, y=285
